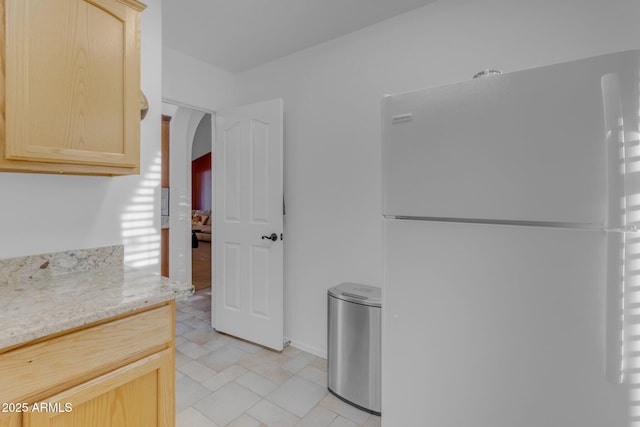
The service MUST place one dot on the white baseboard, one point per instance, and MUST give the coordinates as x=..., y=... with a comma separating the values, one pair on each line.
x=308, y=348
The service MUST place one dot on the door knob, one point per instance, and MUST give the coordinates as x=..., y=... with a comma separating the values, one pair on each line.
x=272, y=237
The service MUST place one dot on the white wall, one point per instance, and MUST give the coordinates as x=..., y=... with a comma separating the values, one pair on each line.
x=332, y=92
x=183, y=128
x=169, y=109
x=41, y=213
x=190, y=82
x=202, y=138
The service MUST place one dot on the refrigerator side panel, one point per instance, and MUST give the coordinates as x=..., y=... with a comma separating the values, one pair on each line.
x=496, y=326
x=522, y=146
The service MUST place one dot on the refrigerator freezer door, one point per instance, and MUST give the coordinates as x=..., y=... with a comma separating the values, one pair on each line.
x=522, y=146
x=496, y=326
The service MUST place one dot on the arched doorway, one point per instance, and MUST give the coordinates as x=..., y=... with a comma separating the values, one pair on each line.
x=201, y=204
x=184, y=125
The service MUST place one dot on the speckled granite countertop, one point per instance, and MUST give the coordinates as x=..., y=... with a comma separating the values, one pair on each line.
x=34, y=308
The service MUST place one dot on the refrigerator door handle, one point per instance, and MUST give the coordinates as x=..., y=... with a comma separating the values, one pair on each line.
x=614, y=151
x=615, y=227
x=615, y=290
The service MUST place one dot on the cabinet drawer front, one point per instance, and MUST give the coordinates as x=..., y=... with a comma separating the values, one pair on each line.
x=66, y=360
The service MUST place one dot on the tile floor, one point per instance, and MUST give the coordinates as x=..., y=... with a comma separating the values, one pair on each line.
x=222, y=381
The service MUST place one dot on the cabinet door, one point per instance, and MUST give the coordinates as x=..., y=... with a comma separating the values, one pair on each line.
x=140, y=394
x=72, y=82
x=11, y=419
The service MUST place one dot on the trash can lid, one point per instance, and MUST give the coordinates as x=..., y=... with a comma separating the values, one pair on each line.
x=355, y=292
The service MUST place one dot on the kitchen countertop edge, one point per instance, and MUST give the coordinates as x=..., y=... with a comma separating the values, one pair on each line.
x=30, y=310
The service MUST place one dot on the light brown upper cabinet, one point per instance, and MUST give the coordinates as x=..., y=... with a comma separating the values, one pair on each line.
x=72, y=87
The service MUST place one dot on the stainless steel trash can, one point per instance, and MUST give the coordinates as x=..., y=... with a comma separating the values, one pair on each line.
x=353, y=350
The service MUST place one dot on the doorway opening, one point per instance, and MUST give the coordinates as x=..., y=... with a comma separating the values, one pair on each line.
x=201, y=205
x=164, y=192
x=188, y=132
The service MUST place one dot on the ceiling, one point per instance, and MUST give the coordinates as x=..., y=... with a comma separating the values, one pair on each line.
x=237, y=35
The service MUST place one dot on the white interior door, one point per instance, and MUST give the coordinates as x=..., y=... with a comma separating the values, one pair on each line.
x=247, y=234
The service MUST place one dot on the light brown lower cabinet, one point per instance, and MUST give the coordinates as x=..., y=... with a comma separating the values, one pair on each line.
x=119, y=373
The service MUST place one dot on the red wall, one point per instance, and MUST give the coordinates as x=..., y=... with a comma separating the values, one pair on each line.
x=201, y=183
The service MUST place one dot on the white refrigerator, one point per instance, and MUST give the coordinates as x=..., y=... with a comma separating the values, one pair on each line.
x=511, y=258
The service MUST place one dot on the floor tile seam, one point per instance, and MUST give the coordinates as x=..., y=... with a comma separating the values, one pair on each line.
x=266, y=379
x=335, y=414
x=245, y=413
x=261, y=375
x=329, y=409
x=200, y=413
x=200, y=346
x=198, y=380
x=191, y=342
x=193, y=405
x=275, y=404
x=248, y=370
x=346, y=417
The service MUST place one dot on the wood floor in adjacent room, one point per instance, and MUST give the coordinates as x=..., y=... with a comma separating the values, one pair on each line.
x=201, y=265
